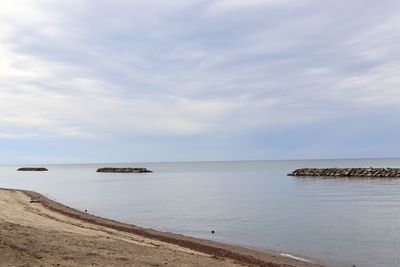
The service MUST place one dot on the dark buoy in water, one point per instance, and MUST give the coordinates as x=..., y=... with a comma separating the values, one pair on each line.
x=212, y=231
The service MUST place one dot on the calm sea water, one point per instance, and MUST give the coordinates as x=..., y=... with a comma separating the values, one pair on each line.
x=253, y=203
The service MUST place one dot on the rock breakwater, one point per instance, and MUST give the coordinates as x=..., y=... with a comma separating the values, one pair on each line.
x=348, y=172
x=31, y=169
x=123, y=170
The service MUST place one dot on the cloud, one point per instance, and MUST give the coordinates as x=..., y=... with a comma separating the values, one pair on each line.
x=227, y=6
x=71, y=69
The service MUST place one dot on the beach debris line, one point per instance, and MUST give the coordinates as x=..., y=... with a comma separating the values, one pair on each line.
x=123, y=170
x=34, y=169
x=348, y=172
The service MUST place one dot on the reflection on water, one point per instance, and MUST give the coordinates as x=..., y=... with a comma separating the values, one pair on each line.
x=340, y=221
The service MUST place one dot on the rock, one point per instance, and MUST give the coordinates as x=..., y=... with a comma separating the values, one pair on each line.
x=348, y=172
x=30, y=169
x=35, y=200
x=123, y=170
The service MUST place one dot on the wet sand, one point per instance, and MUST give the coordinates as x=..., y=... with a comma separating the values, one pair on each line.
x=36, y=231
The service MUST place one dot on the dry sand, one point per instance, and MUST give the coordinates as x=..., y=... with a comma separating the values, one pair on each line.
x=36, y=231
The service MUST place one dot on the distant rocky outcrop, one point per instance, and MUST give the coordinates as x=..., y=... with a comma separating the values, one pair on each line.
x=32, y=169
x=348, y=172
x=123, y=170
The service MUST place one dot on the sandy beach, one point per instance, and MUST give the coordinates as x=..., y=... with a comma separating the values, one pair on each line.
x=36, y=231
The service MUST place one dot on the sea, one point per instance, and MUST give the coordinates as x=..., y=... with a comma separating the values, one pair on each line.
x=337, y=221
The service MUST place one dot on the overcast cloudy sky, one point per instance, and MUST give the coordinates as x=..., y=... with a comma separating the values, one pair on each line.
x=127, y=81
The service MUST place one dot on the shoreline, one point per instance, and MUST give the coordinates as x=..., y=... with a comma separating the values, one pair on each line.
x=212, y=249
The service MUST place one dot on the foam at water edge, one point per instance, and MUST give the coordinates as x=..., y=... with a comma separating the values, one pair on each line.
x=294, y=257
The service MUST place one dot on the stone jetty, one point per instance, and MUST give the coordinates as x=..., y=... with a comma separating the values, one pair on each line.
x=348, y=172
x=123, y=170
x=32, y=169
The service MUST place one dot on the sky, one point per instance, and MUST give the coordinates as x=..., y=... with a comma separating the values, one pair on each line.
x=184, y=80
